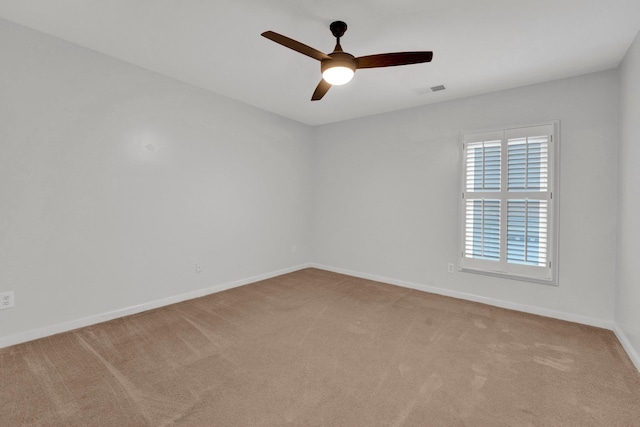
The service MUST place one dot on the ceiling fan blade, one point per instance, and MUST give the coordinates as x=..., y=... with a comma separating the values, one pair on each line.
x=322, y=88
x=393, y=59
x=295, y=45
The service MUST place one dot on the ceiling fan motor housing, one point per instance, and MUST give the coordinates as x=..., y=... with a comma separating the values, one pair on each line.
x=339, y=59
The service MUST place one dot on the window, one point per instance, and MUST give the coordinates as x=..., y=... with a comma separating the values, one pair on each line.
x=508, y=198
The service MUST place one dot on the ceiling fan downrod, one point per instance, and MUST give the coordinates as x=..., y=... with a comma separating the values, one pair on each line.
x=338, y=28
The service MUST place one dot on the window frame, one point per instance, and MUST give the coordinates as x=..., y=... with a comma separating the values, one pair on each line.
x=545, y=275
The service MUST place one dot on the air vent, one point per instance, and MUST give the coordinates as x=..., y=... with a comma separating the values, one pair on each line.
x=426, y=90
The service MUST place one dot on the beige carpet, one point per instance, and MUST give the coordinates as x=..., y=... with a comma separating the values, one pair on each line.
x=314, y=348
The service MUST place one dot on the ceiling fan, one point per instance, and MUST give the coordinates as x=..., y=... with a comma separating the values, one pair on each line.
x=338, y=66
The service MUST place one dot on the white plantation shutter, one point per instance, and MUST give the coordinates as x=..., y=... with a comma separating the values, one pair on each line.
x=528, y=163
x=507, y=213
x=483, y=166
x=482, y=235
x=527, y=232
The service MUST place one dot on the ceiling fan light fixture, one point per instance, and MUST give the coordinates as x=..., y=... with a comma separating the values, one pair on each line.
x=338, y=75
x=339, y=68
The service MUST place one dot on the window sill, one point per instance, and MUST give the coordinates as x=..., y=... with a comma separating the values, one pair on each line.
x=550, y=282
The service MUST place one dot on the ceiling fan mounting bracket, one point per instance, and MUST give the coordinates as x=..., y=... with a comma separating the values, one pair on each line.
x=338, y=28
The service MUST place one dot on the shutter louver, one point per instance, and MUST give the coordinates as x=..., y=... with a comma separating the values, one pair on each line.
x=528, y=159
x=482, y=236
x=527, y=225
x=483, y=166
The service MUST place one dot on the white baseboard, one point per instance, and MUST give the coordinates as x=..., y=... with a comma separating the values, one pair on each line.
x=570, y=317
x=33, y=334
x=626, y=344
x=103, y=317
x=585, y=320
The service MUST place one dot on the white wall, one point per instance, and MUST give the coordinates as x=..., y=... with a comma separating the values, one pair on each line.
x=387, y=190
x=628, y=289
x=115, y=181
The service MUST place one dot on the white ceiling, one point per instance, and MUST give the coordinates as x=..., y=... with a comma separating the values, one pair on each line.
x=479, y=45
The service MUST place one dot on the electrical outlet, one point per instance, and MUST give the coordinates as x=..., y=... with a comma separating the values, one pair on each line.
x=450, y=267
x=198, y=267
x=294, y=249
x=6, y=300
